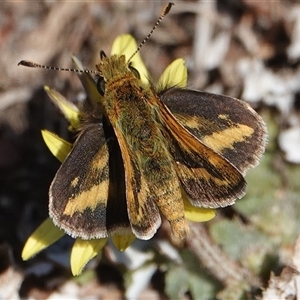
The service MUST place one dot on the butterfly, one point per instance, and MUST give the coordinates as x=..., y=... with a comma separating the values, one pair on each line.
x=141, y=150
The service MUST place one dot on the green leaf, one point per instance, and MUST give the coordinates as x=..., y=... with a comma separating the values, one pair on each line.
x=190, y=277
x=176, y=282
x=201, y=284
x=242, y=243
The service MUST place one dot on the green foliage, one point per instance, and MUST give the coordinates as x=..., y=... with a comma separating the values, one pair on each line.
x=189, y=277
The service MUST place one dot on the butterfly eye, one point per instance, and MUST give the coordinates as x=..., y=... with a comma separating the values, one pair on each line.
x=102, y=54
x=135, y=72
x=100, y=83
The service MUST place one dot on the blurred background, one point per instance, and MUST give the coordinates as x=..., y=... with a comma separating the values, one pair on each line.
x=245, y=49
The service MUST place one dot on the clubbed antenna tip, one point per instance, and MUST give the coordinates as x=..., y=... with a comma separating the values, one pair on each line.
x=31, y=64
x=165, y=11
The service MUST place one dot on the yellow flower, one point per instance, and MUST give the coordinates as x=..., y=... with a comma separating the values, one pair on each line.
x=47, y=233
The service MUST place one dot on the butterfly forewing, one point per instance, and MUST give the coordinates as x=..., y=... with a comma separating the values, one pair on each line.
x=117, y=216
x=208, y=179
x=227, y=125
x=143, y=213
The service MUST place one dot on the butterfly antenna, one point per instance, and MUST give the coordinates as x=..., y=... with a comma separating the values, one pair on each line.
x=164, y=12
x=30, y=64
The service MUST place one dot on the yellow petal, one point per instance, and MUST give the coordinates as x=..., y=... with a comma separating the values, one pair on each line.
x=197, y=214
x=83, y=251
x=174, y=75
x=126, y=45
x=122, y=242
x=44, y=236
x=58, y=146
x=68, y=109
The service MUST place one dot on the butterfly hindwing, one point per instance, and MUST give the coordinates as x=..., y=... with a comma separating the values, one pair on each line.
x=79, y=191
x=87, y=195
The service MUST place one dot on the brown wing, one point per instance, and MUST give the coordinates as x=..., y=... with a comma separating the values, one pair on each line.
x=87, y=197
x=227, y=125
x=208, y=179
x=143, y=213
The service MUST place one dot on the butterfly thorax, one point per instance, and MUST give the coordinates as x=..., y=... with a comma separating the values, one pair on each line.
x=126, y=104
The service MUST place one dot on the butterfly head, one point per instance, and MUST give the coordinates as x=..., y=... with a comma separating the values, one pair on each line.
x=112, y=69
